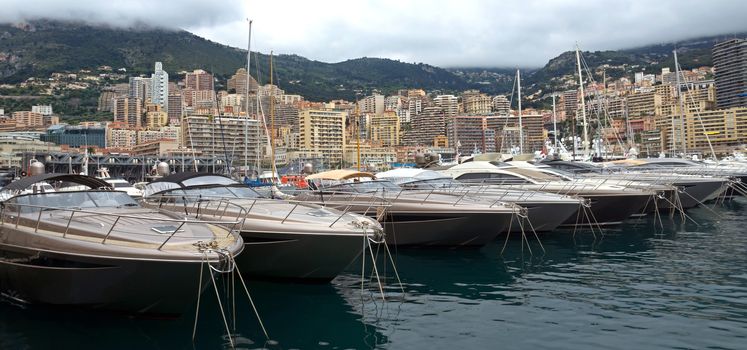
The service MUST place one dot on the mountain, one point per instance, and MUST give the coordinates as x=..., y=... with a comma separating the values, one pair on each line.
x=691, y=53
x=38, y=48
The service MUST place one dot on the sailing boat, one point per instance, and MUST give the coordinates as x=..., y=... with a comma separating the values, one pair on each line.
x=267, y=178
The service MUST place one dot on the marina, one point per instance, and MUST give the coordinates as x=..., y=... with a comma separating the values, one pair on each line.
x=450, y=176
x=681, y=287
x=399, y=259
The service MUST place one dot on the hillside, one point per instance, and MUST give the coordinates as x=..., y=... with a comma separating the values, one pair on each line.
x=691, y=54
x=39, y=48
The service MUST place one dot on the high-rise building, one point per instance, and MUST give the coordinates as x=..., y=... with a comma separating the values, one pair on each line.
x=468, y=134
x=373, y=104
x=271, y=90
x=159, y=90
x=128, y=110
x=415, y=105
x=393, y=103
x=232, y=104
x=508, y=134
x=448, y=103
x=237, y=82
x=140, y=88
x=120, y=136
x=384, y=129
x=199, y=80
x=476, y=104
x=286, y=114
x=722, y=129
x=155, y=118
x=570, y=103
x=201, y=99
x=176, y=106
x=730, y=65
x=323, y=131
x=427, y=126
x=224, y=138
x=501, y=105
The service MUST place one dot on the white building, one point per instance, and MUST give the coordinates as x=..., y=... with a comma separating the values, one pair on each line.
x=41, y=109
x=159, y=90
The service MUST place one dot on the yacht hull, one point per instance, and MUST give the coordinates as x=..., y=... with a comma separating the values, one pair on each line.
x=447, y=229
x=609, y=209
x=134, y=286
x=545, y=216
x=304, y=257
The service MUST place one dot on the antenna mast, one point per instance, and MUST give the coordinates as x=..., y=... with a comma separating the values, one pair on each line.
x=583, y=103
x=246, y=97
x=521, y=125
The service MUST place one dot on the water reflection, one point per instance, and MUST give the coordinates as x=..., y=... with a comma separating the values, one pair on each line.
x=682, y=285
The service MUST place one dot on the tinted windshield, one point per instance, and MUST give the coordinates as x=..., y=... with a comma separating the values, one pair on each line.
x=69, y=200
x=209, y=192
x=215, y=192
x=366, y=187
x=431, y=184
x=537, y=175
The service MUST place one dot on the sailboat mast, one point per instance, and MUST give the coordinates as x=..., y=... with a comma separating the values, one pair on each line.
x=583, y=103
x=521, y=125
x=272, y=123
x=246, y=122
x=554, y=121
x=682, y=103
x=358, y=133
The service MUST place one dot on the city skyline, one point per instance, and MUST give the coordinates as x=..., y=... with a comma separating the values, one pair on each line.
x=478, y=34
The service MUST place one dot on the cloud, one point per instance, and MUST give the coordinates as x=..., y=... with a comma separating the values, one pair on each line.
x=485, y=33
x=121, y=13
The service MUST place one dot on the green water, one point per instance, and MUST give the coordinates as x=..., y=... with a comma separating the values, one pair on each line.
x=680, y=286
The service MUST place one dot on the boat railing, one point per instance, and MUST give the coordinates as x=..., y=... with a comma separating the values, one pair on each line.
x=198, y=205
x=348, y=202
x=14, y=212
x=222, y=206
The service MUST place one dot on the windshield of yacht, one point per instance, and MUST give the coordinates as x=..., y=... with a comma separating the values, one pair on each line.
x=567, y=175
x=209, y=180
x=431, y=184
x=537, y=175
x=365, y=187
x=219, y=192
x=69, y=200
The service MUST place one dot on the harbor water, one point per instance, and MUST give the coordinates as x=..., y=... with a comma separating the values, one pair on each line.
x=642, y=285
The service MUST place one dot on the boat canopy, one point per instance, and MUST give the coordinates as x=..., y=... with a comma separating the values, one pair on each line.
x=26, y=182
x=187, y=179
x=339, y=174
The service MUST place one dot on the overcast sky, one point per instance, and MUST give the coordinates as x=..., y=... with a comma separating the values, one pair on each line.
x=504, y=33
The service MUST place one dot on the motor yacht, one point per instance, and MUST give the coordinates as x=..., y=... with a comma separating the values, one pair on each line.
x=99, y=248
x=412, y=218
x=609, y=204
x=545, y=211
x=283, y=240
